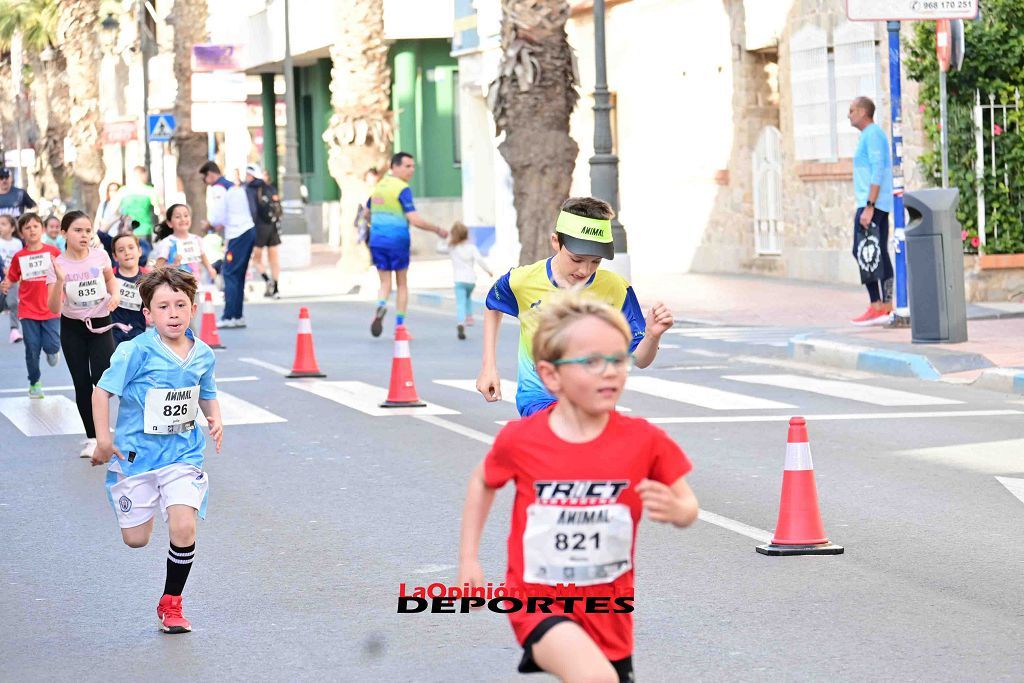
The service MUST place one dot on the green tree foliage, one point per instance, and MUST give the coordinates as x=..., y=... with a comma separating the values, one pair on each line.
x=36, y=20
x=994, y=64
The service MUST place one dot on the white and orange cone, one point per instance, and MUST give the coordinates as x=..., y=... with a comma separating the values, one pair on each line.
x=402, y=392
x=208, y=326
x=304, y=364
x=799, y=530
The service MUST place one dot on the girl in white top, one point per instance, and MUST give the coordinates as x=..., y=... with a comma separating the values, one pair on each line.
x=182, y=249
x=83, y=290
x=9, y=246
x=465, y=256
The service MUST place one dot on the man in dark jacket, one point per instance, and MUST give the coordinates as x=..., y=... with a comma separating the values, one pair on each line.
x=262, y=201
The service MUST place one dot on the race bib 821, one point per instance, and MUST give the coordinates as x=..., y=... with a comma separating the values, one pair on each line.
x=580, y=544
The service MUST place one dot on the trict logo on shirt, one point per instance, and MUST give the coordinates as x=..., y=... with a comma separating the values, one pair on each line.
x=579, y=492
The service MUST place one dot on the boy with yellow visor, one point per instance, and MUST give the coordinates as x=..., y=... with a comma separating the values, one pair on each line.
x=582, y=238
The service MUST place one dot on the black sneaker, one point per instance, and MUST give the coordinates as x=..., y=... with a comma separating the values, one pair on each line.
x=270, y=285
x=377, y=326
x=276, y=294
x=462, y=331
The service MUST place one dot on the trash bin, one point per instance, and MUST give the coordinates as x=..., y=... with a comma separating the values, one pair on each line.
x=935, y=267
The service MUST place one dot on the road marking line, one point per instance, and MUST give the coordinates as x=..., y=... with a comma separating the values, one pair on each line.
x=236, y=411
x=699, y=395
x=706, y=353
x=846, y=416
x=508, y=387
x=266, y=366
x=508, y=390
x=863, y=393
x=365, y=398
x=457, y=428
x=1014, y=486
x=759, y=535
x=69, y=387
x=50, y=416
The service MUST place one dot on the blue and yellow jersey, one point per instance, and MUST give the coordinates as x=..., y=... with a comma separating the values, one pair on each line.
x=520, y=293
x=390, y=201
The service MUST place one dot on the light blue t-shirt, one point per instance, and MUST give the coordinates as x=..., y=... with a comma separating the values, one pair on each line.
x=145, y=367
x=872, y=165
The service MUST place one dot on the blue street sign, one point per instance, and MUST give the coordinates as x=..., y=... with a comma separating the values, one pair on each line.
x=160, y=127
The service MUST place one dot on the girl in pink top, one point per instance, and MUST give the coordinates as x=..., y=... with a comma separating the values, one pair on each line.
x=83, y=290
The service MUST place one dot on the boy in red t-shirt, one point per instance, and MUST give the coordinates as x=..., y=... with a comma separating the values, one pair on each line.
x=40, y=326
x=583, y=475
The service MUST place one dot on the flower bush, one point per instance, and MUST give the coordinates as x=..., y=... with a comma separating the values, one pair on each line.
x=994, y=63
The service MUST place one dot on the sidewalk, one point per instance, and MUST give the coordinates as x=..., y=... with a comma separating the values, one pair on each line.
x=993, y=356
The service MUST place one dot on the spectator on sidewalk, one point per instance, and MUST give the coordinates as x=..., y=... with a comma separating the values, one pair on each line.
x=228, y=207
x=106, y=214
x=138, y=200
x=14, y=201
x=872, y=189
x=265, y=206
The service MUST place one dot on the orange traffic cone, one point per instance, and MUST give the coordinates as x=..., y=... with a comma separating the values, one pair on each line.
x=799, y=530
x=305, y=359
x=402, y=392
x=208, y=327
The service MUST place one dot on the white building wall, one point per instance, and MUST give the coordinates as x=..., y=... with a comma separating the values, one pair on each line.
x=670, y=67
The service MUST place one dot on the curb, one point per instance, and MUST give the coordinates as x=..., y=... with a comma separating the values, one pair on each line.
x=1005, y=380
x=852, y=357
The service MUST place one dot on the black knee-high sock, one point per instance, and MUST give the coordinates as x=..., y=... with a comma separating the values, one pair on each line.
x=179, y=562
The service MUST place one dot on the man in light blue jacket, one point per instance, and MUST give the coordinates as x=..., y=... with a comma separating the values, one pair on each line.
x=872, y=188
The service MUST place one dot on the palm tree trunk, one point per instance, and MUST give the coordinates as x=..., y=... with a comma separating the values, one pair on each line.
x=78, y=26
x=531, y=100
x=189, y=20
x=48, y=87
x=361, y=130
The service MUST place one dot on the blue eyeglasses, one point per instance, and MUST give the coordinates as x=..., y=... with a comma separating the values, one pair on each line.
x=597, y=364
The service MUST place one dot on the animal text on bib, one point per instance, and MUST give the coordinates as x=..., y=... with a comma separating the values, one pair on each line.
x=171, y=411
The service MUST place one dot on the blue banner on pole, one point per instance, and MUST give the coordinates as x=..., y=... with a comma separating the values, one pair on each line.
x=160, y=127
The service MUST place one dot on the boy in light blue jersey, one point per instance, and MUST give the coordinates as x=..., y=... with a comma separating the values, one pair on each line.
x=582, y=238
x=163, y=378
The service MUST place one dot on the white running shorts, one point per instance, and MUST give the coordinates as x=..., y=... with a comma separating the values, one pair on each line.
x=135, y=498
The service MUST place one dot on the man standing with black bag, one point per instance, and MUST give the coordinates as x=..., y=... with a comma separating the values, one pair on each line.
x=872, y=188
x=266, y=214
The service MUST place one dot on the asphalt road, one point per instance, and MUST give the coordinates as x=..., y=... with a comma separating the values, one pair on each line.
x=318, y=511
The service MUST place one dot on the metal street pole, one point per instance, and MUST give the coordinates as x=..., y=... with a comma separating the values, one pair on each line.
x=943, y=132
x=16, y=76
x=292, y=222
x=901, y=315
x=604, y=165
x=144, y=52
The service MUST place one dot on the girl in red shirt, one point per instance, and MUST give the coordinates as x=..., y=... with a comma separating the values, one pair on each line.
x=583, y=474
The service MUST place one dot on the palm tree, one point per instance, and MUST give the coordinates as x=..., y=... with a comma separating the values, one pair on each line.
x=361, y=130
x=531, y=100
x=77, y=29
x=188, y=17
x=36, y=21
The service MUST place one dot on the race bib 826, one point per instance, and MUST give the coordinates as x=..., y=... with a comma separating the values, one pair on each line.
x=171, y=411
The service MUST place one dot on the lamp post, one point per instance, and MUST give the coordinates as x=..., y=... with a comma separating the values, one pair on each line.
x=292, y=220
x=604, y=165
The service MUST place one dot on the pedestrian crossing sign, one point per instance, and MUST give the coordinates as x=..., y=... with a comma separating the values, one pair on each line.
x=160, y=127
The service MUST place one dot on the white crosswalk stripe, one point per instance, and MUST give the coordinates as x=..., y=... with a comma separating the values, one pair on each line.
x=365, y=398
x=699, y=395
x=758, y=336
x=50, y=416
x=57, y=415
x=852, y=391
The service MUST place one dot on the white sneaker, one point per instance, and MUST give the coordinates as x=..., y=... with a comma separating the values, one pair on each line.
x=226, y=323
x=15, y=337
x=52, y=359
x=88, y=448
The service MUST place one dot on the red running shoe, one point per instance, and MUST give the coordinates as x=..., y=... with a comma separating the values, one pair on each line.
x=168, y=612
x=870, y=317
